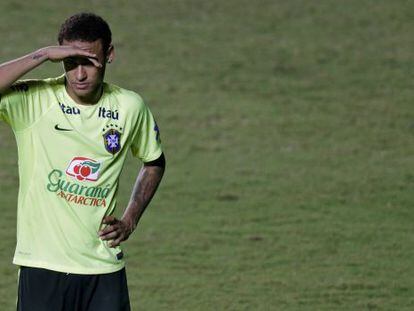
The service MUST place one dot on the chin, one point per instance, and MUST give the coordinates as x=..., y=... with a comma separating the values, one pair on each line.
x=83, y=93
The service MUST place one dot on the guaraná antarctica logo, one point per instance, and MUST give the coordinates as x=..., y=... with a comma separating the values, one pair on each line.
x=80, y=169
x=83, y=169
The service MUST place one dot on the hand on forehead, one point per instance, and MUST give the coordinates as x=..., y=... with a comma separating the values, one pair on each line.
x=79, y=60
x=93, y=47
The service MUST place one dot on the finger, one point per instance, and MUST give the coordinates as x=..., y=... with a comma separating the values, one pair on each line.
x=79, y=52
x=108, y=229
x=95, y=62
x=110, y=235
x=92, y=57
x=115, y=243
x=109, y=220
x=86, y=53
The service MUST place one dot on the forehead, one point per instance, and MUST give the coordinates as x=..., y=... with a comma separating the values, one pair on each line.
x=93, y=47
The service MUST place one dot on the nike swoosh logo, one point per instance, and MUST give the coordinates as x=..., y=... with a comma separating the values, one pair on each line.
x=62, y=129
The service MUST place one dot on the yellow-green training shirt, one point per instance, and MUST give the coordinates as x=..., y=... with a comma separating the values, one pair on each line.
x=70, y=159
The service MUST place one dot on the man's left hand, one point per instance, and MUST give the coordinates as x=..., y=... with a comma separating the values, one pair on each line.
x=115, y=230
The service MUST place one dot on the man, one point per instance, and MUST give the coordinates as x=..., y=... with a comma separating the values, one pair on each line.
x=73, y=134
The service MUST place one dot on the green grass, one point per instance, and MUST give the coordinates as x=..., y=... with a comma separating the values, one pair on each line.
x=288, y=128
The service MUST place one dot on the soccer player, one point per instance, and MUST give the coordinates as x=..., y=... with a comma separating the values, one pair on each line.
x=73, y=134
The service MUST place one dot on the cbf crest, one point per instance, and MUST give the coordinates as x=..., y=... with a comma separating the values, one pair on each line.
x=112, y=138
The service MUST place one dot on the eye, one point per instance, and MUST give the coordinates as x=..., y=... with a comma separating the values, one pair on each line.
x=85, y=62
x=69, y=60
x=69, y=63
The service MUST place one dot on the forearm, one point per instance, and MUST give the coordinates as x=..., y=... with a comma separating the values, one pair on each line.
x=15, y=69
x=144, y=189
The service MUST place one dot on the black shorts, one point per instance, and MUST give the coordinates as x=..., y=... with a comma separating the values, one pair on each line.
x=46, y=290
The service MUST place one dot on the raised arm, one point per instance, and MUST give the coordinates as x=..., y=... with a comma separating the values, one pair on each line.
x=11, y=71
x=145, y=186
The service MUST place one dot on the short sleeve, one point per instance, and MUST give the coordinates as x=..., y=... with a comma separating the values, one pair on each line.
x=23, y=103
x=146, y=142
x=13, y=104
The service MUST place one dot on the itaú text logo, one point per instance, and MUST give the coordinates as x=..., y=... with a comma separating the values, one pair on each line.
x=83, y=169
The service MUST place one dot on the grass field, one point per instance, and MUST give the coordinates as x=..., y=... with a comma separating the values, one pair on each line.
x=288, y=127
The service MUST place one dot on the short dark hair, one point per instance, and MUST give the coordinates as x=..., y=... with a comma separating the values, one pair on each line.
x=87, y=27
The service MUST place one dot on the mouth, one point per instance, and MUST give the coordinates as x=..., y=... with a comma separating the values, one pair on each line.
x=81, y=86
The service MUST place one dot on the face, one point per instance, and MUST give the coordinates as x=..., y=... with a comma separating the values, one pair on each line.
x=83, y=79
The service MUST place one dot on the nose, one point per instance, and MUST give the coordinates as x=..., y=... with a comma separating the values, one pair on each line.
x=80, y=73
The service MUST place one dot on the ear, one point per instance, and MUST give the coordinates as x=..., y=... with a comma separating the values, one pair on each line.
x=110, y=54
